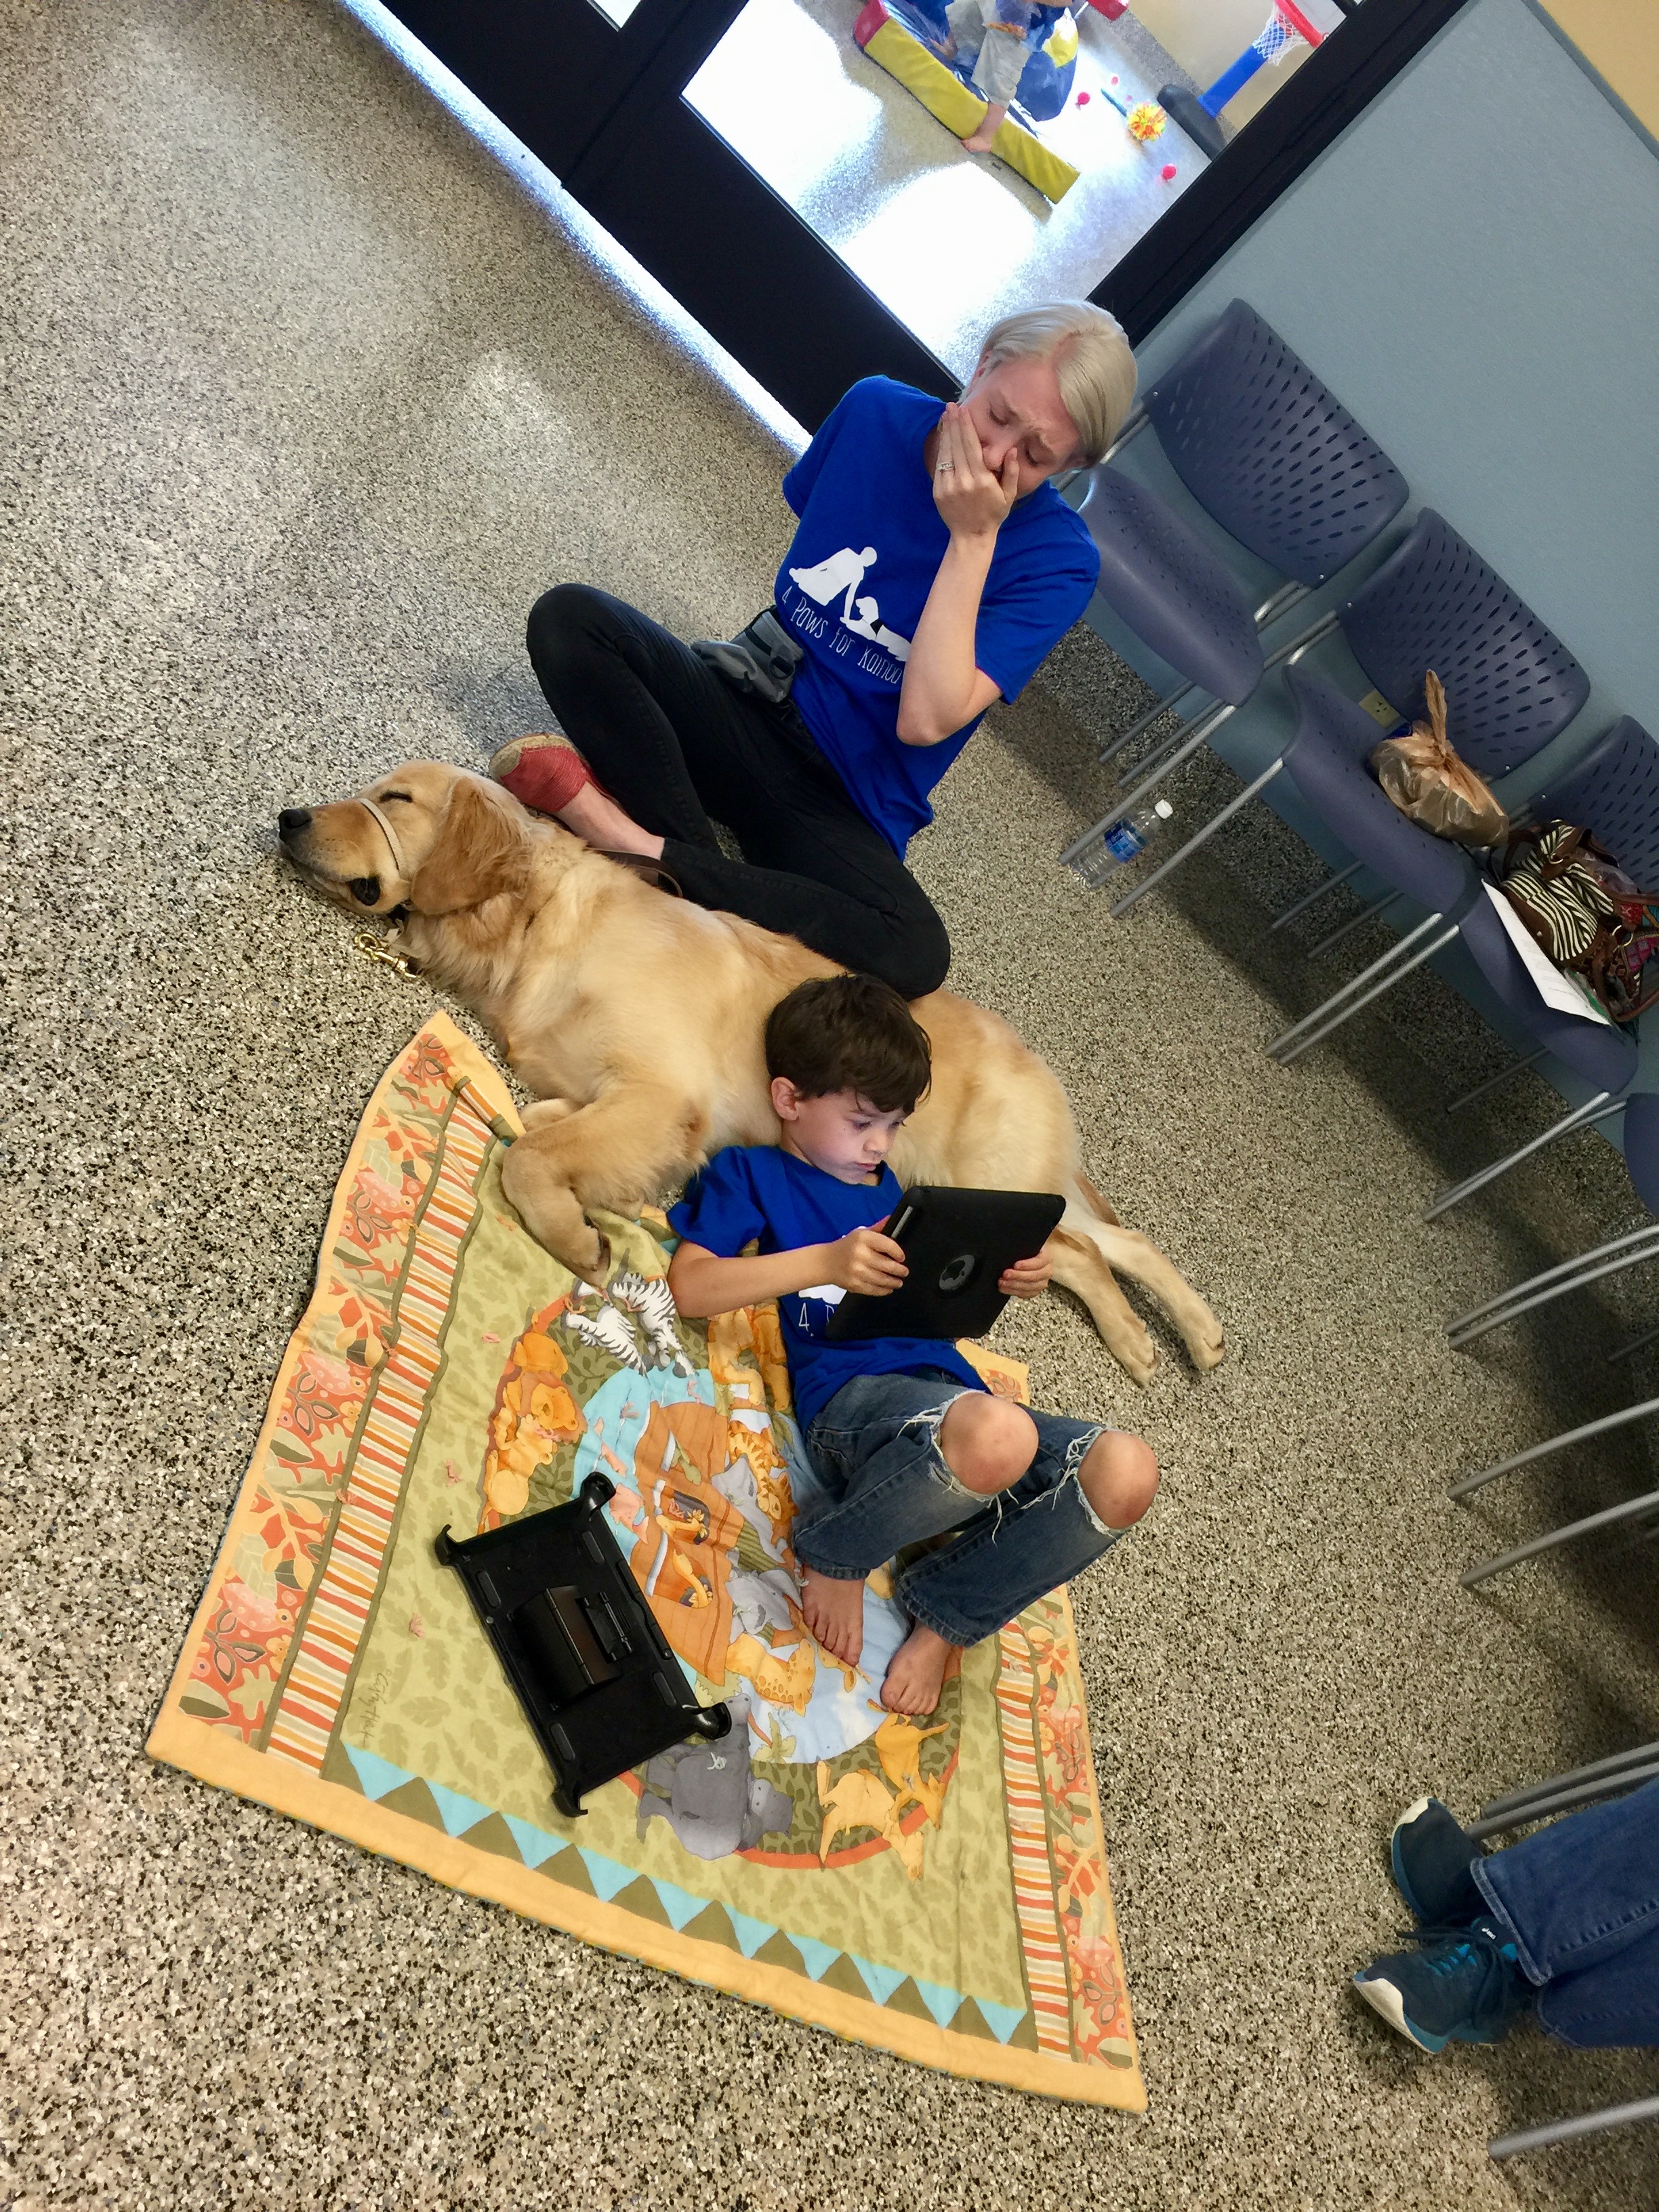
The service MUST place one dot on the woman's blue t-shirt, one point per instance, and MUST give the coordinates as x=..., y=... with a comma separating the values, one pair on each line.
x=855, y=580
x=757, y=1191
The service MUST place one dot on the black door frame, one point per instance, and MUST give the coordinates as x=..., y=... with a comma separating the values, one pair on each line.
x=600, y=104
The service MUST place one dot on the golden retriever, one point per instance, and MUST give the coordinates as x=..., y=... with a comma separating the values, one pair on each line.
x=637, y=1020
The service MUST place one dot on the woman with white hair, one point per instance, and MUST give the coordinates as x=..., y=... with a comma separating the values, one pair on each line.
x=933, y=569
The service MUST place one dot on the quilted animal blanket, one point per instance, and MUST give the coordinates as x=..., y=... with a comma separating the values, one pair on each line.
x=939, y=1890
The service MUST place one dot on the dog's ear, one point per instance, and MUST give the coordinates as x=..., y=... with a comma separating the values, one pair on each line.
x=481, y=851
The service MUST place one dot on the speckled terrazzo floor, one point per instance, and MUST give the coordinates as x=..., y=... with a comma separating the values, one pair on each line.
x=302, y=403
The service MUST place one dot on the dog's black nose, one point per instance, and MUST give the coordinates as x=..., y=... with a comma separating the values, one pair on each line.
x=292, y=820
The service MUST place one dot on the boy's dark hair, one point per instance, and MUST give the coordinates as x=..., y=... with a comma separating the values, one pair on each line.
x=849, y=1033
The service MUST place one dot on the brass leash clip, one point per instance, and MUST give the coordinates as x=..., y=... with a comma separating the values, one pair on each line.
x=384, y=950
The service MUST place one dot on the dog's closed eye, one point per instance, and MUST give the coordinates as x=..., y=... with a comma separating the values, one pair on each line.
x=387, y=798
x=366, y=890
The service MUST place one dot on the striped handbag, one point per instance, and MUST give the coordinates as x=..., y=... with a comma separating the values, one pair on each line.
x=1583, y=910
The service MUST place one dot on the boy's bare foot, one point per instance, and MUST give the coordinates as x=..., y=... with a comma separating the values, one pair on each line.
x=917, y=1673
x=833, y=1611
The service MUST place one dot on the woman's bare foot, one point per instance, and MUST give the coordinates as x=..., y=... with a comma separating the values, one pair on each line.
x=595, y=816
x=833, y=1611
x=916, y=1676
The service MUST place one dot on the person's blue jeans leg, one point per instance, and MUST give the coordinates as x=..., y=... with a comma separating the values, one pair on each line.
x=1580, y=1900
x=876, y=1444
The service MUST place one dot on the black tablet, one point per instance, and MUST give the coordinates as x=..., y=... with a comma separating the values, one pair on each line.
x=958, y=1246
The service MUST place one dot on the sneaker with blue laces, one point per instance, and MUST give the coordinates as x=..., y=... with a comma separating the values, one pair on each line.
x=1459, y=1984
x=1431, y=1856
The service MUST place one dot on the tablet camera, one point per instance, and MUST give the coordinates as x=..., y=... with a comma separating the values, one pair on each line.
x=957, y=1273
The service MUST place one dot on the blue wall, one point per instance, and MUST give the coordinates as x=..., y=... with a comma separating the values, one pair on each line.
x=1474, y=269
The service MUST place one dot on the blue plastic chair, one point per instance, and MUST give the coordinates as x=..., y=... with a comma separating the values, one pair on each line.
x=1328, y=762
x=1510, y=687
x=1266, y=449
x=1613, y=792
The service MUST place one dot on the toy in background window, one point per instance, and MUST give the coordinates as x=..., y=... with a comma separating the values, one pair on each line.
x=1291, y=23
x=1145, y=118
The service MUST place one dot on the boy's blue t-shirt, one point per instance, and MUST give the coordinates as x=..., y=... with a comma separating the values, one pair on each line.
x=855, y=580
x=758, y=1191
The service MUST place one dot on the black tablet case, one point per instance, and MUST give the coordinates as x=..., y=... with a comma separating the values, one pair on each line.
x=593, y=1670
x=957, y=1245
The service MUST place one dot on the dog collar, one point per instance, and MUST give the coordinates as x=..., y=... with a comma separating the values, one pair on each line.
x=390, y=837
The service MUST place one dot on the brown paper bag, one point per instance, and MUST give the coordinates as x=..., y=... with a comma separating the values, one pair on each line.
x=1426, y=780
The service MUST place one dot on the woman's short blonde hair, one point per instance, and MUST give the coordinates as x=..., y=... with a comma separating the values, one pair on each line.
x=1093, y=365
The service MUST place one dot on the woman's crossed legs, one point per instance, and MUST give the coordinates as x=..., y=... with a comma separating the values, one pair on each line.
x=673, y=743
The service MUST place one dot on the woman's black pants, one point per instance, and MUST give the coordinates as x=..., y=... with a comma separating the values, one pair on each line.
x=673, y=743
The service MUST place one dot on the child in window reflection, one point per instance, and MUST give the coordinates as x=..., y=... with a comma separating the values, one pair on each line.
x=996, y=35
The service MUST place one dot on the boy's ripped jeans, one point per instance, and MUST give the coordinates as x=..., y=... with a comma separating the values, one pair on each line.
x=876, y=1447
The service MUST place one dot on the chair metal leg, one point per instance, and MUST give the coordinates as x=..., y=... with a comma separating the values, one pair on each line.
x=1203, y=837
x=1636, y=1345
x=1641, y=1754
x=1468, y=1484
x=1131, y=798
x=1278, y=604
x=1556, y=1282
x=1272, y=609
x=1629, y=1511
x=1565, y=1801
x=1347, y=928
x=1292, y=650
x=1326, y=1018
x=1313, y=897
x=1134, y=424
x=1548, y=1275
x=1158, y=706
x=1304, y=642
x=1515, y=1067
x=1599, y=1108
x=1156, y=757
x=1586, y=2123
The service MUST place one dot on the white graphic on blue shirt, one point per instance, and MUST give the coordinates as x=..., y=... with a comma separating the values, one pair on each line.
x=809, y=1310
x=843, y=572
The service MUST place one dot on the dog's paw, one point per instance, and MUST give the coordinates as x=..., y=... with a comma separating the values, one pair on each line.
x=542, y=1112
x=587, y=1256
x=1204, y=1341
x=1134, y=1351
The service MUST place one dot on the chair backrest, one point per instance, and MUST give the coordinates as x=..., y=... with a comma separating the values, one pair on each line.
x=1613, y=792
x=1511, y=685
x=1270, y=452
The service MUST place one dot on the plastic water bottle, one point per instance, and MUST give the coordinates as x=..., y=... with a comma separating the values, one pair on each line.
x=1124, y=840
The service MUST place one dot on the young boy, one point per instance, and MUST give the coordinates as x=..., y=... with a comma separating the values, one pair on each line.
x=906, y=1437
x=998, y=37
